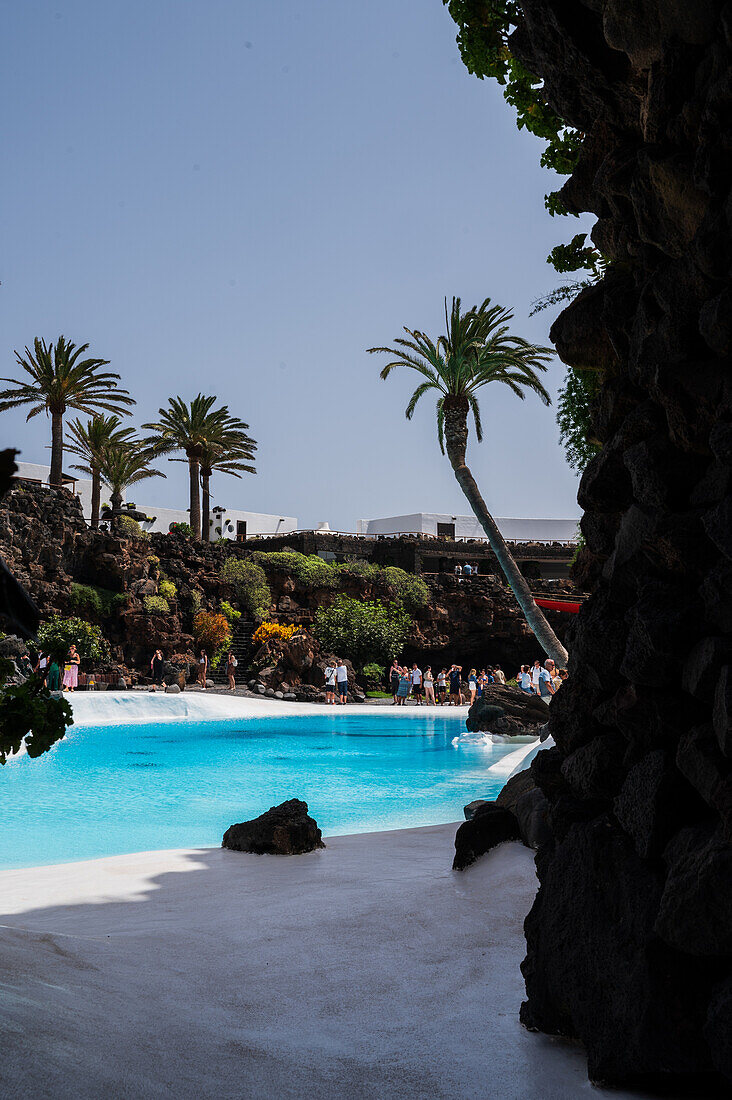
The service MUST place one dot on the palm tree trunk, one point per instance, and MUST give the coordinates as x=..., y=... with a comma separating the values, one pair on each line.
x=205, y=505
x=456, y=440
x=193, y=469
x=96, y=490
x=57, y=450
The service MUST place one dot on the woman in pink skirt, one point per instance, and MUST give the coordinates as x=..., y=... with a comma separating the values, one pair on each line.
x=71, y=672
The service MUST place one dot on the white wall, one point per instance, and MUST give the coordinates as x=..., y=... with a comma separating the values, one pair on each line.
x=38, y=472
x=467, y=527
x=258, y=523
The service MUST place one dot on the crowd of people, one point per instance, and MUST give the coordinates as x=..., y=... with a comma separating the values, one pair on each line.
x=448, y=687
x=50, y=670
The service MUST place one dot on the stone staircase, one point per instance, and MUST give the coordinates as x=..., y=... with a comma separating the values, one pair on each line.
x=241, y=647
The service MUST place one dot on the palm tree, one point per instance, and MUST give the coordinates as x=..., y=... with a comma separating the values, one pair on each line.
x=89, y=442
x=124, y=463
x=231, y=453
x=477, y=349
x=62, y=379
x=188, y=428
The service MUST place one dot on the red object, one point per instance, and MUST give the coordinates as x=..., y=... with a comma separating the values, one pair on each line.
x=558, y=605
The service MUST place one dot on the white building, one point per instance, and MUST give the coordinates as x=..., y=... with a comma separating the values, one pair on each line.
x=467, y=527
x=228, y=523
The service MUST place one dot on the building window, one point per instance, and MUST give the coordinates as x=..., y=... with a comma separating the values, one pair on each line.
x=241, y=530
x=446, y=530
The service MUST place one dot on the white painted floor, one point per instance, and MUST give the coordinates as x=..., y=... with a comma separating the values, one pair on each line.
x=368, y=970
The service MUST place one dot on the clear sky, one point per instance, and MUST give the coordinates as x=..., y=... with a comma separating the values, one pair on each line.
x=239, y=197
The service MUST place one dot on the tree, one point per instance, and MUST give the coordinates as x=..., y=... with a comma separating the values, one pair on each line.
x=89, y=442
x=60, y=380
x=363, y=630
x=30, y=715
x=189, y=428
x=232, y=452
x=125, y=464
x=478, y=349
x=57, y=634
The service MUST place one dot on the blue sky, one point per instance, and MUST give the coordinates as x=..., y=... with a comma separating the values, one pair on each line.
x=239, y=197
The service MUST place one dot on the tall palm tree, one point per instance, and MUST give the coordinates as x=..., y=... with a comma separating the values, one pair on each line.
x=188, y=428
x=62, y=379
x=89, y=442
x=231, y=453
x=478, y=349
x=123, y=464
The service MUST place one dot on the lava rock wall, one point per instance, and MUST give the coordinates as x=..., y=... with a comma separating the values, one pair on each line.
x=630, y=937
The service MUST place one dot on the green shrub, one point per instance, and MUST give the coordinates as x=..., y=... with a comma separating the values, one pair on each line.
x=156, y=605
x=180, y=528
x=308, y=569
x=250, y=584
x=99, y=601
x=129, y=528
x=167, y=589
x=365, y=570
x=196, y=600
x=230, y=613
x=364, y=631
x=406, y=588
x=56, y=635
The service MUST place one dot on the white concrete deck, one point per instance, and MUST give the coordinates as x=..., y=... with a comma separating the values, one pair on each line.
x=368, y=970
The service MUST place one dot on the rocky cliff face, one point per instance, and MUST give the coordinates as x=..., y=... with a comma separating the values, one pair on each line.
x=630, y=938
x=48, y=546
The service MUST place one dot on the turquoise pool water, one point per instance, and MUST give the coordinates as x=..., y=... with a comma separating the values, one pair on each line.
x=116, y=789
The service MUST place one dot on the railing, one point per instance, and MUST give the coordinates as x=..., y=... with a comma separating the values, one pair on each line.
x=481, y=539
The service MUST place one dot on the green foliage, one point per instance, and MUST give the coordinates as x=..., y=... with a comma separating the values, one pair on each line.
x=230, y=613
x=167, y=589
x=196, y=600
x=156, y=605
x=565, y=293
x=154, y=562
x=581, y=543
x=308, y=569
x=574, y=406
x=180, y=528
x=575, y=256
x=249, y=581
x=407, y=589
x=484, y=27
x=363, y=631
x=129, y=528
x=374, y=672
x=30, y=714
x=212, y=633
x=99, y=601
x=57, y=634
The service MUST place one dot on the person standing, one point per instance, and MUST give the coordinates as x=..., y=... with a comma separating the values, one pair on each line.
x=53, y=677
x=71, y=671
x=231, y=666
x=156, y=670
x=342, y=681
x=467, y=570
x=405, y=681
x=535, y=673
x=499, y=675
x=417, y=684
x=523, y=679
x=429, y=687
x=203, y=669
x=473, y=685
x=441, y=687
x=546, y=686
x=455, y=685
x=394, y=678
x=330, y=684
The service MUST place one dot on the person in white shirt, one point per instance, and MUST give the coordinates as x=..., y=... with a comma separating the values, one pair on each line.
x=535, y=674
x=523, y=679
x=499, y=675
x=342, y=680
x=330, y=684
x=416, y=678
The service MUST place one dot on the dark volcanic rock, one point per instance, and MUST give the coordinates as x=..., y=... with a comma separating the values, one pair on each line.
x=284, y=830
x=506, y=710
x=490, y=825
x=629, y=942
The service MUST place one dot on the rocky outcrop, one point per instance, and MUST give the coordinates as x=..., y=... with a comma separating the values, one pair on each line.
x=485, y=826
x=48, y=546
x=284, y=830
x=629, y=945
x=489, y=825
x=507, y=710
